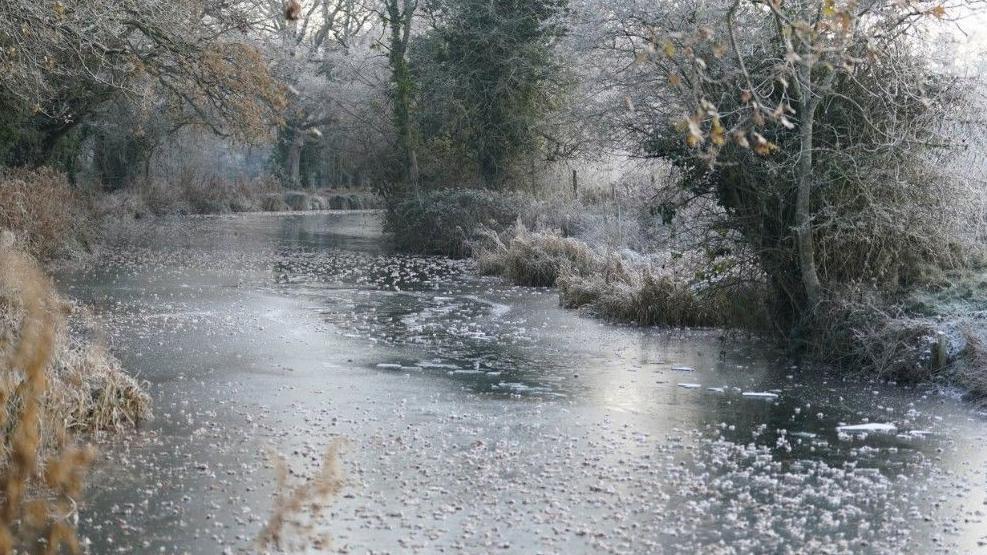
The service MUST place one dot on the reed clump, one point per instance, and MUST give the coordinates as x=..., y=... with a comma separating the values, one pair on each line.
x=533, y=258
x=42, y=472
x=93, y=392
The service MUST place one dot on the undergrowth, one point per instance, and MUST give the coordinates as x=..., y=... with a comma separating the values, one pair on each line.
x=616, y=254
x=446, y=221
x=216, y=196
x=858, y=330
x=48, y=218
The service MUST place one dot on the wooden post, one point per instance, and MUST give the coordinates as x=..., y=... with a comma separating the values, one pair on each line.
x=940, y=354
x=575, y=186
x=616, y=206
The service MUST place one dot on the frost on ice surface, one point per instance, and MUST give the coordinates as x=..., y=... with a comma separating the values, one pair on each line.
x=513, y=385
x=690, y=385
x=760, y=395
x=872, y=427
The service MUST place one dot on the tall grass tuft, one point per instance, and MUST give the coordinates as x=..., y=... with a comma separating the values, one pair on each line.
x=533, y=258
x=646, y=297
x=39, y=486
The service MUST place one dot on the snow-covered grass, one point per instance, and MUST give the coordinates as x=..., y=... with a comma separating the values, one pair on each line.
x=643, y=290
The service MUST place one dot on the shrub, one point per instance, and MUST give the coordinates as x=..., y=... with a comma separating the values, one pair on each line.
x=46, y=215
x=161, y=199
x=351, y=201
x=216, y=196
x=273, y=202
x=970, y=367
x=194, y=195
x=857, y=328
x=447, y=221
x=296, y=200
x=846, y=185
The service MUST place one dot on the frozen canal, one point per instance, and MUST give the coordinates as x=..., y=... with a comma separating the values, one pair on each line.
x=480, y=417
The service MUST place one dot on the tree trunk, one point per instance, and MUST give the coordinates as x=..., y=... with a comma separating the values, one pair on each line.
x=803, y=209
x=294, y=161
x=399, y=20
x=413, y=167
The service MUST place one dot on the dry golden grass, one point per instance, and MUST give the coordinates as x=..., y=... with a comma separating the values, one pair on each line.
x=39, y=482
x=89, y=389
x=93, y=392
x=50, y=388
x=293, y=524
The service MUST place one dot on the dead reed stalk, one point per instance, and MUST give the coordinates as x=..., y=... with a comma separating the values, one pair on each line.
x=297, y=509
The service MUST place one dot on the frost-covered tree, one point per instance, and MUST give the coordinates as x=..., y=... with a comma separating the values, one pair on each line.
x=62, y=60
x=819, y=126
x=317, y=57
